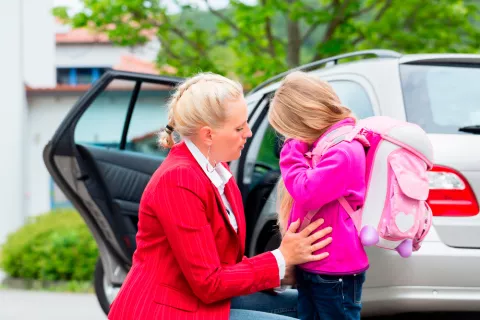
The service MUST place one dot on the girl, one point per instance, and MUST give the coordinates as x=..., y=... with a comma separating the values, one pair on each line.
x=303, y=110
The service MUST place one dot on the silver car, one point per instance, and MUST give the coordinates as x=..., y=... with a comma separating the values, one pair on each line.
x=104, y=152
x=439, y=92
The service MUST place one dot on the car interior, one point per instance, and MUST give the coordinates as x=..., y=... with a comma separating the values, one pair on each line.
x=265, y=176
x=116, y=179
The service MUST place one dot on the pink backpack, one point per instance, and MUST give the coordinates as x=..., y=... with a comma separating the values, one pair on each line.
x=395, y=214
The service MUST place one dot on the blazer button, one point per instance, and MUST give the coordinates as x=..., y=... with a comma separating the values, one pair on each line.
x=253, y=289
x=267, y=284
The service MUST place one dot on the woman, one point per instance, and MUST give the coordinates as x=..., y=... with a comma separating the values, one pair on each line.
x=189, y=262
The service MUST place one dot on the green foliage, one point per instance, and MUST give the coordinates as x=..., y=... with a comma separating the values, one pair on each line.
x=53, y=246
x=254, y=42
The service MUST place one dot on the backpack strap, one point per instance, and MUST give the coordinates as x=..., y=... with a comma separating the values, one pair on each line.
x=308, y=218
x=332, y=138
x=344, y=203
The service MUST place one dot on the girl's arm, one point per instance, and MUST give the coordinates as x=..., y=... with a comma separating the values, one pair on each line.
x=314, y=187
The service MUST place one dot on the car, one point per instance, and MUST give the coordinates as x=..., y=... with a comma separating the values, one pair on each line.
x=103, y=154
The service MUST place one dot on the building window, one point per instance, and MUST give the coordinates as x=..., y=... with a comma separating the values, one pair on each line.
x=77, y=76
x=63, y=76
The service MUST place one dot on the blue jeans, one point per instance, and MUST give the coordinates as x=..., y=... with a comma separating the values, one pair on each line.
x=326, y=297
x=263, y=306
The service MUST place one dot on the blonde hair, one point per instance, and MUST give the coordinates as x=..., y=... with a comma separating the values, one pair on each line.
x=198, y=101
x=303, y=108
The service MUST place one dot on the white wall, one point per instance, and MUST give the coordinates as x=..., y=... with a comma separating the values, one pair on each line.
x=46, y=112
x=13, y=117
x=27, y=28
x=87, y=55
x=100, y=54
x=38, y=43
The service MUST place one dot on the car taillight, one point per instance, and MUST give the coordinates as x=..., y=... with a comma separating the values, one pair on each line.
x=450, y=193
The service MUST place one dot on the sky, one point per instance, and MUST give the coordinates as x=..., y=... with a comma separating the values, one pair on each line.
x=76, y=4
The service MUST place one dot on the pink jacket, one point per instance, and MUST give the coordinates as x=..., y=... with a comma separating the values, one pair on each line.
x=341, y=172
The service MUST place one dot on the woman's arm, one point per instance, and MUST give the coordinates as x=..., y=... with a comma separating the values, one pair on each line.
x=183, y=217
x=314, y=187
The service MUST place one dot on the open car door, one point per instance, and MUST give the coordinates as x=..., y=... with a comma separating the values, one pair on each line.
x=102, y=156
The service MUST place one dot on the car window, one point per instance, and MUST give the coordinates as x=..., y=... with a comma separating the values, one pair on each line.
x=148, y=118
x=103, y=122
x=440, y=98
x=267, y=154
x=262, y=157
x=353, y=96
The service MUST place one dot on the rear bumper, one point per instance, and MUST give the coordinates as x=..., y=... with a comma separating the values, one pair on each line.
x=436, y=278
x=388, y=301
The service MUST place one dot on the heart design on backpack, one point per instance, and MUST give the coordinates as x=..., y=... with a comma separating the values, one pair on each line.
x=404, y=221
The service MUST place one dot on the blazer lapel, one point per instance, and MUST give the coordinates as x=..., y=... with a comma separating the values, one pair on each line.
x=222, y=209
x=232, y=199
x=237, y=207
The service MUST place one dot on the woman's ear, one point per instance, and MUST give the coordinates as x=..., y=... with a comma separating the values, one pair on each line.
x=205, y=134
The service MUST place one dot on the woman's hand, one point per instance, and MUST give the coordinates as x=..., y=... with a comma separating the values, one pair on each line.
x=289, y=279
x=298, y=248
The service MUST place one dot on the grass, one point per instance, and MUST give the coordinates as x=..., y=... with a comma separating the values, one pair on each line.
x=71, y=286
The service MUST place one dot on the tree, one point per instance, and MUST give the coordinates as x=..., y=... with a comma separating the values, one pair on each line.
x=254, y=42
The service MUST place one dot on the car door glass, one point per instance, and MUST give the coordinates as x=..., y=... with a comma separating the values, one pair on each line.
x=267, y=152
x=267, y=161
x=102, y=123
x=353, y=96
x=149, y=117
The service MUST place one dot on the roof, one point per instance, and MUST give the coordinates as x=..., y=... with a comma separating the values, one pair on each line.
x=134, y=64
x=59, y=88
x=81, y=36
x=65, y=34
x=85, y=87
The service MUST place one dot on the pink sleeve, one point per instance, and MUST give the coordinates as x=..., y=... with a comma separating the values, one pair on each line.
x=313, y=187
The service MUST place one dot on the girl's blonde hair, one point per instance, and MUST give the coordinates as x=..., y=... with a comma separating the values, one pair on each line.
x=303, y=108
x=197, y=102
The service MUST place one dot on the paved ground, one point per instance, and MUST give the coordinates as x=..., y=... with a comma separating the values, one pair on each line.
x=39, y=305
x=35, y=305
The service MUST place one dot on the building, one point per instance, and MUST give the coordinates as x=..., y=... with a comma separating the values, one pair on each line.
x=47, y=67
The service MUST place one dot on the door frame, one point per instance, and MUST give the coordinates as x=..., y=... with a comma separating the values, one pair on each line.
x=60, y=158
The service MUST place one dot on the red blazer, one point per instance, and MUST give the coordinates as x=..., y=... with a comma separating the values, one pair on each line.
x=189, y=260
